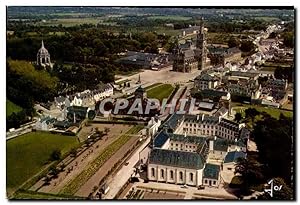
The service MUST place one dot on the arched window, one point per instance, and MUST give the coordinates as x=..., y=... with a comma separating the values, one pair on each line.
x=171, y=174
x=191, y=177
x=152, y=172
x=181, y=176
x=162, y=173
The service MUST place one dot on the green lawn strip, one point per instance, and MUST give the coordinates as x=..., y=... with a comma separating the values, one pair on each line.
x=12, y=108
x=26, y=194
x=72, y=187
x=274, y=112
x=152, y=86
x=26, y=155
x=160, y=92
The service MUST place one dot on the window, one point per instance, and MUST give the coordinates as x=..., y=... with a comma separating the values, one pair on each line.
x=214, y=182
x=162, y=173
x=205, y=181
x=176, y=145
x=180, y=176
x=171, y=144
x=191, y=177
x=152, y=172
x=171, y=174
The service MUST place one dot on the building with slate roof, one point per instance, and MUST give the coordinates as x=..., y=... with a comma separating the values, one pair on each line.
x=221, y=56
x=188, y=57
x=43, y=57
x=231, y=160
x=211, y=175
x=188, y=149
x=206, y=81
x=45, y=123
x=145, y=60
x=177, y=167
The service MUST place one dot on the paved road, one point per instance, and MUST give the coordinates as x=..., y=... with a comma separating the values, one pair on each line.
x=118, y=181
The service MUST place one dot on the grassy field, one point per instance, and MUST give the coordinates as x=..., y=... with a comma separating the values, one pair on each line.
x=274, y=112
x=152, y=86
x=11, y=107
x=71, y=21
x=86, y=174
x=38, y=195
x=170, y=17
x=160, y=92
x=26, y=155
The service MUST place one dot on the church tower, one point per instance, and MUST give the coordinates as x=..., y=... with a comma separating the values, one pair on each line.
x=201, y=46
x=178, y=58
x=43, y=57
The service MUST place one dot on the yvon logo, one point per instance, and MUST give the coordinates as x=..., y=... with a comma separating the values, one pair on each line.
x=273, y=188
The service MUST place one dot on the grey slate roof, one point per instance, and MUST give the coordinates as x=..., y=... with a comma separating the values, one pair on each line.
x=211, y=171
x=233, y=156
x=206, y=119
x=173, y=121
x=160, y=139
x=206, y=77
x=243, y=74
x=221, y=144
x=173, y=158
x=206, y=105
x=188, y=139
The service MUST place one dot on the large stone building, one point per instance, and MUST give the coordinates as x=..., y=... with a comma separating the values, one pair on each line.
x=43, y=57
x=188, y=151
x=206, y=81
x=186, y=57
x=221, y=56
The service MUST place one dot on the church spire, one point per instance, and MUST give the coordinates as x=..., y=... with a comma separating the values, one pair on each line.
x=42, y=43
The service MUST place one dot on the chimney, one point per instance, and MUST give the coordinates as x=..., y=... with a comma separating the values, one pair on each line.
x=197, y=117
x=211, y=145
x=202, y=117
x=220, y=119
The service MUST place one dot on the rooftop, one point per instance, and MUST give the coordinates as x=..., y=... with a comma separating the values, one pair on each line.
x=233, y=156
x=173, y=158
x=211, y=171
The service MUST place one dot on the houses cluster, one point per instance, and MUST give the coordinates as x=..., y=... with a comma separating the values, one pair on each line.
x=86, y=98
x=240, y=86
x=196, y=150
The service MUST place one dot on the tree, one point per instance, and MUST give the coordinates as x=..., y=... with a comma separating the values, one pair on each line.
x=55, y=155
x=73, y=152
x=106, y=130
x=233, y=42
x=238, y=117
x=288, y=39
x=54, y=171
x=273, y=139
x=250, y=171
x=247, y=46
x=251, y=113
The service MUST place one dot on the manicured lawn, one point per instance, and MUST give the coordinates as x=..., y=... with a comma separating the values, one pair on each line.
x=152, y=86
x=86, y=174
x=26, y=155
x=11, y=107
x=160, y=92
x=274, y=112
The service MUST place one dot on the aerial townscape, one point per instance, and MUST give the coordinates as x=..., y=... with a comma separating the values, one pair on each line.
x=150, y=103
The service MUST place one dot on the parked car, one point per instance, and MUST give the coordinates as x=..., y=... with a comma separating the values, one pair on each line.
x=201, y=187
